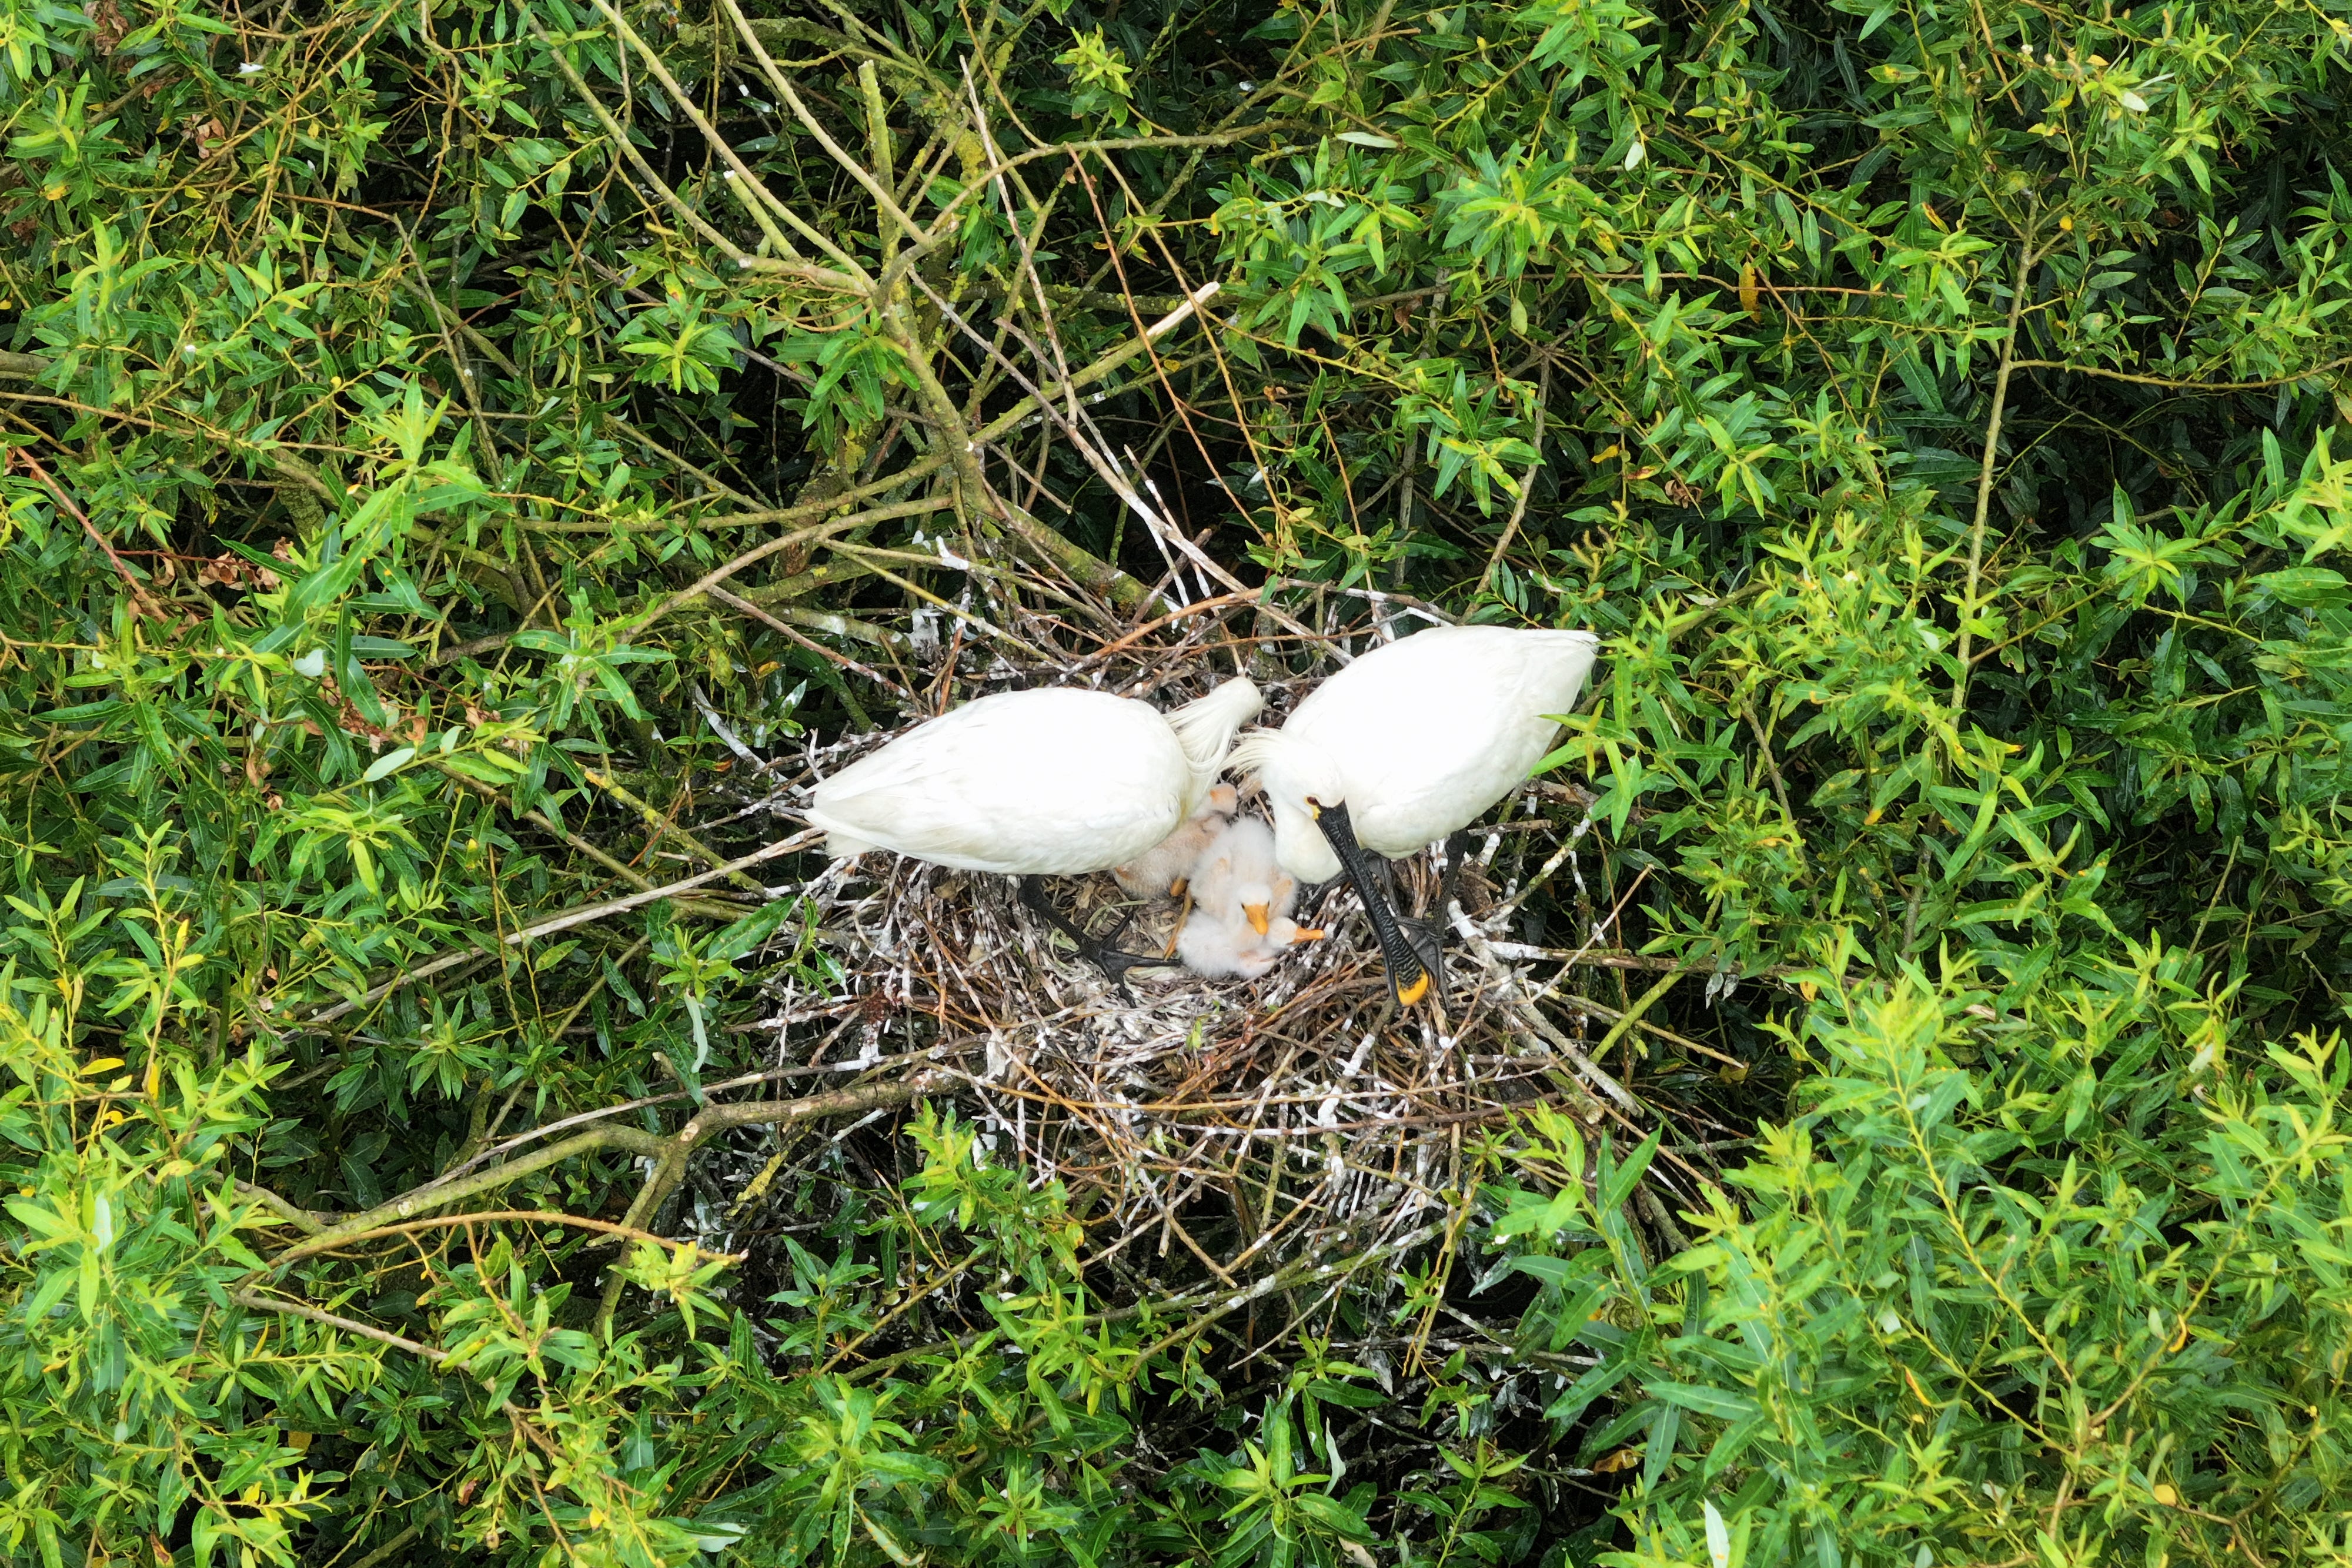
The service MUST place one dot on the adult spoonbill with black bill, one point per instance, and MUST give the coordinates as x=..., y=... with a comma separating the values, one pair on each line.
x=1411, y=744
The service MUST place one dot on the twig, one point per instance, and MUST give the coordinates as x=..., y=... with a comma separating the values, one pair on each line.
x=138, y=589
x=775, y=624
x=565, y=922
x=1632, y=1015
x=812, y=534
x=1527, y=485
x=261, y=1303
x=1968, y=605
x=390, y=1549
x=661, y=827
x=2170, y=384
x=303, y=1219
x=345, y=1234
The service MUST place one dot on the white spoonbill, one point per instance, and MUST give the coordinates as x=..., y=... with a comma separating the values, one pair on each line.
x=1240, y=920
x=1409, y=743
x=1052, y=781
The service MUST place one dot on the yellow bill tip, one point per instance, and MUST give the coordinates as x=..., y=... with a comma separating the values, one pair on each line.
x=1408, y=995
x=1257, y=917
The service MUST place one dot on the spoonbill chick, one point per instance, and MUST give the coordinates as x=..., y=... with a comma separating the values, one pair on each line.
x=1230, y=949
x=1164, y=871
x=1056, y=781
x=1221, y=949
x=1240, y=920
x=1239, y=878
x=1411, y=744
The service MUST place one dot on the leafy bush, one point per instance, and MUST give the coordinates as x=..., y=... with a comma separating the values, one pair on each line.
x=452, y=443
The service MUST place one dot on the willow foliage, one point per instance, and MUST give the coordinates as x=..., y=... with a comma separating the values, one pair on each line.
x=434, y=424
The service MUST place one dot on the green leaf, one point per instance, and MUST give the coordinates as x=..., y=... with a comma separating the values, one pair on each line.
x=2305, y=586
x=389, y=763
x=1706, y=1401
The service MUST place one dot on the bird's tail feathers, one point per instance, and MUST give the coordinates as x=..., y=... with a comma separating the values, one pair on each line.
x=1205, y=726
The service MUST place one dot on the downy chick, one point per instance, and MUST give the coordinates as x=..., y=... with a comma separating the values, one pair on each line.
x=1239, y=923
x=1161, y=871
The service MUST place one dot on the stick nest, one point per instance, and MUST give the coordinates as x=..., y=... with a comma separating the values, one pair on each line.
x=1257, y=1123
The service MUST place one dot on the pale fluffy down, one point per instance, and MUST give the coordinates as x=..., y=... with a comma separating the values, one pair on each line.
x=1238, y=871
x=1056, y=781
x=1157, y=872
x=1418, y=738
x=1218, y=951
x=1237, y=878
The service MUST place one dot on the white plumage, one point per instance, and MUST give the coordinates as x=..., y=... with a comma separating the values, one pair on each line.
x=1054, y=781
x=1219, y=950
x=1417, y=739
x=1413, y=742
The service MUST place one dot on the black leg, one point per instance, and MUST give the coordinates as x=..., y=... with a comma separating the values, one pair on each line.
x=1410, y=976
x=1427, y=934
x=1458, y=855
x=1111, y=960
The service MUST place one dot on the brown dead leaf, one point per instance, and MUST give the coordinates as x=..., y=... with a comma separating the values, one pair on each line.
x=1623, y=1459
x=235, y=571
x=106, y=28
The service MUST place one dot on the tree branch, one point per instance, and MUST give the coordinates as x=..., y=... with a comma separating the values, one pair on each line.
x=261, y=1303
x=1968, y=605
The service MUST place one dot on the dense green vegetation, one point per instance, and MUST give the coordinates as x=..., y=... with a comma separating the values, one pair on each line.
x=447, y=437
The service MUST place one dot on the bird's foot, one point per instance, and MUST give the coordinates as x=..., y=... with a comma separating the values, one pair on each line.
x=1116, y=962
x=1427, y=937
x=1113, y=961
